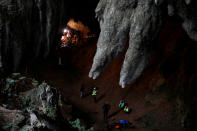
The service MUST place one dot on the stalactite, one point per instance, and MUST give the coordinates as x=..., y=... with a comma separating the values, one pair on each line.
x=143, y=18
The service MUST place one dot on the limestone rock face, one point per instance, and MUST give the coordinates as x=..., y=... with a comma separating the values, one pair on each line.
x=28, y=29
x=140, y=20
x=43, y=98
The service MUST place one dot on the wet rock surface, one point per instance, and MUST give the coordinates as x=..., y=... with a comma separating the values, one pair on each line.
x=141, y=21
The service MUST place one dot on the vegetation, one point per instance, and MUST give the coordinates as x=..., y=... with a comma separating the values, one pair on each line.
x=76, y=124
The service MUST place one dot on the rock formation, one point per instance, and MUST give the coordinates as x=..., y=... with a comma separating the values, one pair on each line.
x=28, y=29
x=24, y=109
x=141, y=20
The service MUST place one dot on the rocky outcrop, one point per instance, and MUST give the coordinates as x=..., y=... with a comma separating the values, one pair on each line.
x=27, y=105
x=141, y=21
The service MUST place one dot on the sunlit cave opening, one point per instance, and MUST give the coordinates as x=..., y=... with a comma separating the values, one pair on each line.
x=48, y=48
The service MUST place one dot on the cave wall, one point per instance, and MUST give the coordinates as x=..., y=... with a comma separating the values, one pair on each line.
x=28, y=29
x=31, y=29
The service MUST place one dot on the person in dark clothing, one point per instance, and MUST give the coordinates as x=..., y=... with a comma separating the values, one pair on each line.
x=82, y=91
x=106, y=108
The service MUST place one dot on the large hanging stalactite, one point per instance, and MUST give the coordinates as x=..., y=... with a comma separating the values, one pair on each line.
x=143, y=21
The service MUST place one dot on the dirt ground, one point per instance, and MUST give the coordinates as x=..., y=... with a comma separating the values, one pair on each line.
x=150, y=109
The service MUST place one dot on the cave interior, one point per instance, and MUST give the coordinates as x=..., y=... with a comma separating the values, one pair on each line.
x=161, y=91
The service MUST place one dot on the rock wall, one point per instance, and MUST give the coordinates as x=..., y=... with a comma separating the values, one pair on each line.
x=141, y=21
x=29, y=29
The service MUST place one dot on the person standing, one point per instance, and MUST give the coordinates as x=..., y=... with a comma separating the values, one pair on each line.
x=94, y=93
x=106, y=108
x=126, y=109
x=121, y=104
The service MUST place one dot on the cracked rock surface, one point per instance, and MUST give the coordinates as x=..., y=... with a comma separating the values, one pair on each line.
x=141, y=21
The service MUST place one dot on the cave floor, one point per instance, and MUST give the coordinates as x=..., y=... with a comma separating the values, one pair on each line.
x=151, y=108
x=69, y=78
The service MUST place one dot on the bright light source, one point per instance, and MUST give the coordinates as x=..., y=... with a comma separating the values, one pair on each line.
x=65, y=30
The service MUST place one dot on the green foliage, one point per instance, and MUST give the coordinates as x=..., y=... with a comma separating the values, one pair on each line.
x=26, y=100
x=76, y=124
x=15, y=74
x=22, y=78
x=10, y=84
x=11, y=126
x=34, y=82
x=43, y=84
x=91, y=129
x=28, y=104
x=51, y=112
x=26, y=128
x=6, y=127
x=9, y=87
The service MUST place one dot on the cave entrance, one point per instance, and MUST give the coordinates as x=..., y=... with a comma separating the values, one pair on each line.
x=75, y=33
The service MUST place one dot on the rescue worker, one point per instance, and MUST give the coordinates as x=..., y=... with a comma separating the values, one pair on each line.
x=94, y=93
x=63, y=38
x=69, y=35
x=121, y=104
x=106, y=108
x=126, y=109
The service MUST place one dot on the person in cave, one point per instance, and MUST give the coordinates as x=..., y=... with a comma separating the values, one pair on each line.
x=94, y=93
x=69, y=35
x=126, y=109
x=121, y=104
x=106, y=108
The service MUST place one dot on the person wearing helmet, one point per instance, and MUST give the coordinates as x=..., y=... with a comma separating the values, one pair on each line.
x=126, y=109
x=121, y=104
x=94, y=93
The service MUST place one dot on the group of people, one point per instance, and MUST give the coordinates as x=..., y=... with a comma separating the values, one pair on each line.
x=123, y=105
x=69, y=37
x=106, y=106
